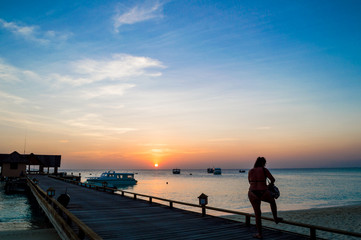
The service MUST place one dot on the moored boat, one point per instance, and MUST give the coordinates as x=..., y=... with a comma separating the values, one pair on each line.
x=176, y=171
x=210, y=170
x=111, y=178
x=217, y=171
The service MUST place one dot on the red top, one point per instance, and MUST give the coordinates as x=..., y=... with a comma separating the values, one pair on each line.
x=257, y=178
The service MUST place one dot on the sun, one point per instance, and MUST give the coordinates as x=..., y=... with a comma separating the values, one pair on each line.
x=156, y=165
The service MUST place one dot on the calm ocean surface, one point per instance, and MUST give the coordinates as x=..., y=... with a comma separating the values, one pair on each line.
x=16, y=212
x=300, y=189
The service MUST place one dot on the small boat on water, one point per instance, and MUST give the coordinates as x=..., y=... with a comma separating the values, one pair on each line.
x=242, y=171
x=217, y=171
x=176, y=171
x=210, y=170
x=111, y=178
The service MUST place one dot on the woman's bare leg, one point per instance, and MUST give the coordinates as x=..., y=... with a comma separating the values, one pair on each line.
x=268, y=198
x=256, y=204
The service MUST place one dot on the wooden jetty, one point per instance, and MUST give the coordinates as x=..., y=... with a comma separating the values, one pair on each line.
x=93, y=214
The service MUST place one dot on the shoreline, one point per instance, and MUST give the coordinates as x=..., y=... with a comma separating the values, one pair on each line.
x=340, y=217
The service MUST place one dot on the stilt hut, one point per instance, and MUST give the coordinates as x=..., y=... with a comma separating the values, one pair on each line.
x=13, y=165
x=16, y=165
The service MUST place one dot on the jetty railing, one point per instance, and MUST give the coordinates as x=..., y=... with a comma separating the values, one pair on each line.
x=248, y=216
x=63, y=221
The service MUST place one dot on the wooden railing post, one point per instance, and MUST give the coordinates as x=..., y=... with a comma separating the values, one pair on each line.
x=68, y=220
x=135, y=196
x=312, y=233
x=81, y=234
x=150, y=199
x=203, y=210
x=170, y=204
x=248, y=220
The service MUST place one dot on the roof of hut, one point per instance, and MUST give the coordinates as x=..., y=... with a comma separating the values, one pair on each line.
x=32, y=159
x=14, y=157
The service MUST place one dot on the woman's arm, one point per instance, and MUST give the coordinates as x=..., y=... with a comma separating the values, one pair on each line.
x=269, y=176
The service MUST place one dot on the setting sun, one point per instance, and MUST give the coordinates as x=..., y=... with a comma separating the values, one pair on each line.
x=156, y=165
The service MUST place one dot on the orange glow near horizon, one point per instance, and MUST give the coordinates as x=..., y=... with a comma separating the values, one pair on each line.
x=282, y=152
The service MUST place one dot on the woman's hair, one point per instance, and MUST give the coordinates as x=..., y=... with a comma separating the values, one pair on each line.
x=260, y=162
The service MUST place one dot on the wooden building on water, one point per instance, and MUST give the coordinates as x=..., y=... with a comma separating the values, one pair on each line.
x=16, y=165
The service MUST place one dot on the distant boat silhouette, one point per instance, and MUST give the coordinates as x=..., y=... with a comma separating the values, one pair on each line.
x=210, y=170
x=217, y=171
x=176, y=171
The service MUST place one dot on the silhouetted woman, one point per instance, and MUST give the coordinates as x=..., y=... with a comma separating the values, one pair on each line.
x=258, y=192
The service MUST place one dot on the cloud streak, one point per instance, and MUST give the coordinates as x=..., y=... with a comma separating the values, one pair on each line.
x=74, y=92
x=5, y=97
x=93, y=125
x=119, y=67
x=110, y=90
x=33, y=33
x=138, y=14
x=11, y=74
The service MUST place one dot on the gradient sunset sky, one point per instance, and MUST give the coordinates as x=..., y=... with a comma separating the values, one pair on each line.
x=186, y=84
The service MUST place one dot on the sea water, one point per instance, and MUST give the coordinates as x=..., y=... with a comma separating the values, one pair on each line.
x=300, y=188
x=17, y=212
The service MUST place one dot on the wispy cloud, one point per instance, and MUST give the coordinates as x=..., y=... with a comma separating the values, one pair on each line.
x=6, y=97
x=137, y=14
x=33, y=33
x=119, y=67
x=94, y=125
x=11, y=74
x=102, y=82
x=108, y=90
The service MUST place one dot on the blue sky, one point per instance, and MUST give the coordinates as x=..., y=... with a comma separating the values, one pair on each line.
x=183, y=82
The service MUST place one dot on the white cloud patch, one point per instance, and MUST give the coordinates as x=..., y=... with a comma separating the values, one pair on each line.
x=11, y=98
x=137, y=14
x=109, y=90
x=84, y=87
x=120, y=67
x=93, y=124
x=33, y=33
x=12, y=74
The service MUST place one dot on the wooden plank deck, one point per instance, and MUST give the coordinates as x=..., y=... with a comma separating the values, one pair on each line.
x=113, y=216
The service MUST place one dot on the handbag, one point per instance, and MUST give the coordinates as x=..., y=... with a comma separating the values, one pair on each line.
x=275, y=192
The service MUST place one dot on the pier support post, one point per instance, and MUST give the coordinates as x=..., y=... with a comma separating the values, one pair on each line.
x=171, y=204
x=203, y=211
x=150, y=199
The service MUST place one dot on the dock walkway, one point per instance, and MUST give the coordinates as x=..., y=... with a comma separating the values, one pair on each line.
x=113, y=216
